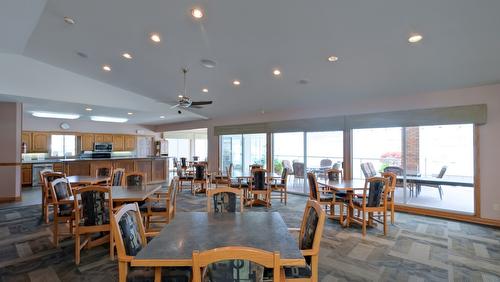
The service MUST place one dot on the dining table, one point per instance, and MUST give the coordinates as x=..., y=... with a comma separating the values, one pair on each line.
x=203, y=231
x=81, y=180
x=133, y=193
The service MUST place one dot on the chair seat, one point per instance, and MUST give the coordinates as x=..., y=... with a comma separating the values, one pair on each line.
x=65, y=210
x=171, y=274
x=292, y=272
x=155, y=206
x=236, y=184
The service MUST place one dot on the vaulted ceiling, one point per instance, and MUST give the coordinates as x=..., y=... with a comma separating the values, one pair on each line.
x=248, y=39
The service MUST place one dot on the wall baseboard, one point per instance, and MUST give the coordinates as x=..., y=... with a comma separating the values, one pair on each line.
x=10, y=199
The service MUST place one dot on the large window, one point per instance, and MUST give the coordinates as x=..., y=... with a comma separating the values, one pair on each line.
x=243, y=151
x=288, y=150
x=189, y=144
x=62, y=145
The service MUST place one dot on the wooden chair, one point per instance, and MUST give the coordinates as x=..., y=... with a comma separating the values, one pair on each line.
x=117, y=178
x=106, y=171
x=368, y=170
x=134, y=179
x=63, y=203
x=200, y=178
x=227, y=264
x=311, y=231
x=92, y=215
x=328, y=198
x=373, y=199
x=161, y=206
x=298, y=169
x=279, y=184
x=130, y=237
x=259, y=186
x=334, y=174
x=223, y=177
x=183, y=176
x=224, y=199
x=391, y=178
x=46, y=177
x=440, y=189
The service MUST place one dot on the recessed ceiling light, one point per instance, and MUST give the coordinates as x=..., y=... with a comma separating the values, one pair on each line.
x=162, y=117
x=236, y=82
x=197, y=13
x=127, y=55
x=204, y=90
x=333, y=58
x=106, y=68
x=414, y=38
x=130, y=113
x=55, y=115
x=276, y=72
x=88, y=109
x=155, y=37
x=69, y=20
x=108, y=119
x=180, y=96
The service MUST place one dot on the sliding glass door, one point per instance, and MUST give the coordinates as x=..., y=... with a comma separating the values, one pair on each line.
x=243, y=150
x=324, y=150
x=288, y=151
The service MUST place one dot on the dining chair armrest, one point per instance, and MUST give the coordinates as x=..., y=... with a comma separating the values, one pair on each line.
x=126, y=258
x=309, y=252
x=152, y=233
x=65, y=202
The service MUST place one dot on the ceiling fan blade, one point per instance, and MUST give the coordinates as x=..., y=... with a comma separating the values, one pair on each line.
x=196, y=106
x=173, y=107
x=199, y=103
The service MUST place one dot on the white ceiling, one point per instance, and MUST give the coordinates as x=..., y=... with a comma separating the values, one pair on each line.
x=248, y=39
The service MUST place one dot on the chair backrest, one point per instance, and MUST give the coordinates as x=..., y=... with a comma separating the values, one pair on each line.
x=41, y=173
x=259, y=180
x=48, y=176
x=128, y=231
x=223, y=199
x=313, y=186
x=227, y=263
x=117, y=179
x=442, y=172
x=394, y=169
x=183, y=162
x=229, y=170
x=134, y=179
x=61, y=189
x=391, y=180
x=368, y=170
x=176, y=163
x=106, y=171
x=375, y=192
x=298, y=169
x=311, y=229
x=200, y=172
x=96, y=205
x=325, y=163
x=284, y=175
x=334, y=174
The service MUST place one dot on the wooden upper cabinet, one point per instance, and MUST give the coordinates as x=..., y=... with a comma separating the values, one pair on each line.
x=130, y=142
x=118, y=143
x=100, y=138
x=87, y=142
x=40, y=142
x=26, y=139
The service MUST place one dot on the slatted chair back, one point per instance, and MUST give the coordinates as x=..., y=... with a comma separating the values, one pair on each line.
x=325, y=163
x=128, y=231
x=227, y=263
x=391, y=180
x=394, y=169
x=313, y=186
x=224, y=199
x=284, y=176
x=61, y=189
x=368, y=170
x=298, y=169
x=95, y=206
x=117, y=178
x=334, y=174
x=442, y=172
x=134, y=179
x=105, y=171
x=375, y=192
x=200, y=173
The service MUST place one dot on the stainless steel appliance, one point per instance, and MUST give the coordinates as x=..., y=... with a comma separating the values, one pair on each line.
x=103, y=147
x=35, y=179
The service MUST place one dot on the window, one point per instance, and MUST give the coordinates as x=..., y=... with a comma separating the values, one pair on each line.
x=187, y=144
x=243, y=151
x=289, y=147
x=62, y=145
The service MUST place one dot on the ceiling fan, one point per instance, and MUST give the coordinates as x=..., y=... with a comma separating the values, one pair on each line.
x=184, y=101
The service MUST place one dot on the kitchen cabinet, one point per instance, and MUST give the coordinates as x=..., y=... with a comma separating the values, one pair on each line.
x=40, y=142
x=26, y=174
x=144, y=166
x=95, y=165
x=58, y=167
x=77, y=168
x=26, y=139
x=87, y=142
x=130, y=142
x=118, y=143
x=158, y=170
x=106, y=138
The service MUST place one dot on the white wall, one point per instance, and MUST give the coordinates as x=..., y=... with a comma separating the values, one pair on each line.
x=489, y=133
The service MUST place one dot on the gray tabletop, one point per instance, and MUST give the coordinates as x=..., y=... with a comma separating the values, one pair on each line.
x=133, y=193
x=203, y=231
x=438, y=181
x=345, y=185
x=87, y=180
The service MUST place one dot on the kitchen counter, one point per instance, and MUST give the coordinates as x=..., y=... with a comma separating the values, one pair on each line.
x=48, y=161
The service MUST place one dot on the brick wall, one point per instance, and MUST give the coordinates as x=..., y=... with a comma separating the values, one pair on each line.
x=412, y=148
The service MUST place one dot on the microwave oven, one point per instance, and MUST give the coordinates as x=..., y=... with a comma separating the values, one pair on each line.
x=103, y=147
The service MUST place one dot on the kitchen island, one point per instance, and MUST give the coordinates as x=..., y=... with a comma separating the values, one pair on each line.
x=155, y=168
